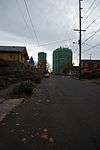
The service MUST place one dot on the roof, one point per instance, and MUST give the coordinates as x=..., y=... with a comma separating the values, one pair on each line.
x=90, y=61
x=12, y=48
x=62, y=49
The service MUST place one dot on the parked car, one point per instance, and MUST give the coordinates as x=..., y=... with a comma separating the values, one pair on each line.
x=46, y=75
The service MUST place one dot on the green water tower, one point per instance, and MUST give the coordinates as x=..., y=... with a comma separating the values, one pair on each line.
x=42, y=57
x=42, y=61
x=62, y=57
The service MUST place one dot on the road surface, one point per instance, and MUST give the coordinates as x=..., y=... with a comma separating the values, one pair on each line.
x=63, y=114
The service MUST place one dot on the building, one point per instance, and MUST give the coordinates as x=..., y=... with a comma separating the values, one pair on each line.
x=13, y=53
x=75, y=70
x=62, y=60
x=90, y=65
x=42, y=61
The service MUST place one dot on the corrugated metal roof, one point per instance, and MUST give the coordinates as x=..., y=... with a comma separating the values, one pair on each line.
x=12, y=48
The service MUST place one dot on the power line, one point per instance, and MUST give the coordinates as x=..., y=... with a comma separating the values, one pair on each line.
x=91, y=36
x=91, y=23
x=24, y=19
x=89, y=8
x=86, y=3
x=92, y=48
x=50, y=43
x=31, y=21
x=89, y=49
x=92, y=10
x=71, y=28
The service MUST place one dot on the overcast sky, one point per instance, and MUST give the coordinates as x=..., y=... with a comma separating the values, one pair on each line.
x=54, y=22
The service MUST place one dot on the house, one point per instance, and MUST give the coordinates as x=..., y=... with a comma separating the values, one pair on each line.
x=13, y=53
x=90, y=65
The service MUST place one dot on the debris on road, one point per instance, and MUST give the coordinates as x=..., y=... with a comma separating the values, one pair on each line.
x=32, y=136
x=12, y=131
x=17, y=113
x=45, y=130
x=3, y=124
x=17, y=124
x=51, y=140
x=23, y=140
x=44, y=136
x=48, y=100
x=39, y=101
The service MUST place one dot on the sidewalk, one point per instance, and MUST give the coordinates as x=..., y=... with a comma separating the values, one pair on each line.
x=6, y=104
x=6, y=91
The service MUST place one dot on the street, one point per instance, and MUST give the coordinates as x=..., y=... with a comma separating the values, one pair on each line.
x=63, y=114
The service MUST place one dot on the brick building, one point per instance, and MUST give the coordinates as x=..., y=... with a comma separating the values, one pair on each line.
x=90, y=65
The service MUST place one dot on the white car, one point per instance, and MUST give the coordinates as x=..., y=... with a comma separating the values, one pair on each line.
x=46, y=75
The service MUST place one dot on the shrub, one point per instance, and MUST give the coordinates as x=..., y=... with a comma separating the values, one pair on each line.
x=96, y=75
x=25, y=88
x=37, y=79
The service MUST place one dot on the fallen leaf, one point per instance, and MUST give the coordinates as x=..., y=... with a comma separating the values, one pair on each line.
x=35, y=114
x=23, y=140
x=48, y=100
x=51, y=140
x=17, y=124
x=3, y=123
x=32, y=136
x=17, y=113
x=44, y=136
x=37, y=134
x=45, y=130
x=12, y=131
x=22, y=130
x=36, y=103
x=39, y=101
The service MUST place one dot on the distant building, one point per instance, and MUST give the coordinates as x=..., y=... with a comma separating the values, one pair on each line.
x=90, y=65
x=62, y=60
x=42, y=61
x=13, y=53
x=75, y=70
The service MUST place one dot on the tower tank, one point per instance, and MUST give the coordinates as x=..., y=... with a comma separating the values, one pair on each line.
x=42, y=57
x=61, y=57
x=42, y=61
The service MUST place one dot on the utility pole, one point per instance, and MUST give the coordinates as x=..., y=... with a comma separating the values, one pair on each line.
x=90, y=56
x=80, y=35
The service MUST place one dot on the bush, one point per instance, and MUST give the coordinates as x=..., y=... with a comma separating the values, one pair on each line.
x=25, y=88
x=2, y=83
x=96, y=75
x=37, y=79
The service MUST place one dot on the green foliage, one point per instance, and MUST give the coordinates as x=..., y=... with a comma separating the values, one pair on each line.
x=67, y=68
x=31, y=61
x=25, y=88
x=38, y=79
x=96, y=75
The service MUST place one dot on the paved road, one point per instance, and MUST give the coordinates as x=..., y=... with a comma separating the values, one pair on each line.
x=63, y=114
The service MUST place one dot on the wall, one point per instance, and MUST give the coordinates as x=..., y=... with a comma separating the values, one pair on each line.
x=12, y=56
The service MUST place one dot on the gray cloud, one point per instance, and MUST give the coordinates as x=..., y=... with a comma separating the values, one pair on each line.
x=52, y=19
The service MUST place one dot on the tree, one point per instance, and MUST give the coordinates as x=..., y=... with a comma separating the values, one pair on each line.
x=31, y=61
x=67, y=68
x=48, y=67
